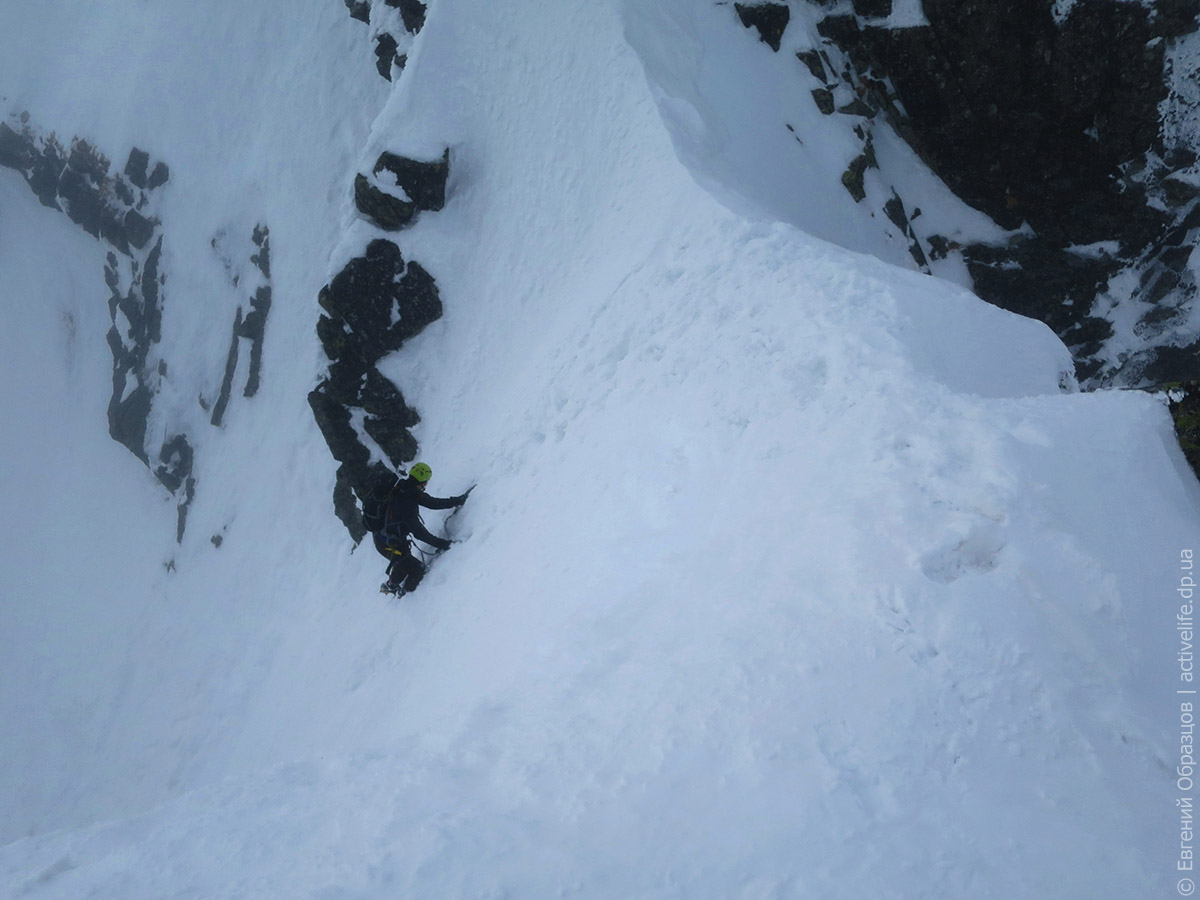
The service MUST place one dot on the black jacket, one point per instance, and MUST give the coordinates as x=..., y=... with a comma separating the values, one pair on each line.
x=403, y=517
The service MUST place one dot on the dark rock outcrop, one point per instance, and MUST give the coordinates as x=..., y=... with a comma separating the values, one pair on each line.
x=414, y=186
x=371, y=307
x=254, y=326
x=359, y=9
x=424, y=182
x=385, y=210
x=387, y=54
x=412, y=12
x=1027, y=119
x=175, y=472
x=77, y=181
x=1055, y=121
x=248, y=326
x=111, y=207
x=770, y=20
x=231, y=361
x=390, y=50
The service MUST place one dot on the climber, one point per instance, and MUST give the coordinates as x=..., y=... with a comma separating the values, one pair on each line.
x=392, y=515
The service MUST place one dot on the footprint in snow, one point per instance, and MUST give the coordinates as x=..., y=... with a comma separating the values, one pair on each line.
x=978, y=552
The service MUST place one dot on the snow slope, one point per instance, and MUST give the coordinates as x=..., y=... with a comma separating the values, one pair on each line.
x=789, y=572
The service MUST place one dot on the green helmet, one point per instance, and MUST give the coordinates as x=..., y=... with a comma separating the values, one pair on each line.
x=420, y=472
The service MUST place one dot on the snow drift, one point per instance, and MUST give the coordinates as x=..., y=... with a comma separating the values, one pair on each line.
x=789, y=571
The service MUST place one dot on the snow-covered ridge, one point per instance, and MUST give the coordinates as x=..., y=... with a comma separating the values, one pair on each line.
x=789, y=571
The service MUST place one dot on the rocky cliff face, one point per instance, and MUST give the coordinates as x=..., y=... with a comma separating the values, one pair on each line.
x=369, y=309
x=1072, y=124
x=119, y=207
x=378, y=300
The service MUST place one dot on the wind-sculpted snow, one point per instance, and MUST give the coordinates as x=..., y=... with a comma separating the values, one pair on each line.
x=788, y=572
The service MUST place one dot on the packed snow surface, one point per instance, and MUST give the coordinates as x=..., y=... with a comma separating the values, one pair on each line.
x=789, y=572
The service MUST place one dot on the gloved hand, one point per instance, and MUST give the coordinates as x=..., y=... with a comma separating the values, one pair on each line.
x=462, y=498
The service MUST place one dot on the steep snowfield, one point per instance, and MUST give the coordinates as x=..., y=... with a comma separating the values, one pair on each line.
x=789, y=572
